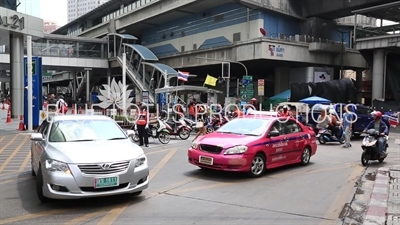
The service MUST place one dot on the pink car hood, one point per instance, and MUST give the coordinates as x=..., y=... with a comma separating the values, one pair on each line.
x=227, y=140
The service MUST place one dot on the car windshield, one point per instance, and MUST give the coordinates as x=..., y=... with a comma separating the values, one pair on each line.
x=85, y=130
x=245, y=126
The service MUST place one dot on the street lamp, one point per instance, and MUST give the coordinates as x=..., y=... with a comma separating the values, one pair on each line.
x=342, y=37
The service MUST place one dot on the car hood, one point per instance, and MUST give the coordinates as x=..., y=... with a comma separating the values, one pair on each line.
x=94, y=151
x=227, y=140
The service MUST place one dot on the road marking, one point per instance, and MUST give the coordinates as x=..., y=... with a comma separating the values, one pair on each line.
x=15, y=180
x=342, y=196
x=32, y=216
x=291, y=173
x=8, y=144
x=115, y=213
x=200, y=188
x=83, y=218
x=25, y=162
x=13, y=154
x=2, y=138
x=159, y=151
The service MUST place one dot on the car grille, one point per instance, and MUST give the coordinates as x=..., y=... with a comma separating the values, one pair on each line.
x=211, y=148
x=110, y=168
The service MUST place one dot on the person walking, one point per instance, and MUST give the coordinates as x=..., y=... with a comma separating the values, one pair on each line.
x=142, y=126
x=52, y=103
x=347, y=126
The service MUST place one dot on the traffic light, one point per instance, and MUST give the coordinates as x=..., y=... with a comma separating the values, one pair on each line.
x=226, y=70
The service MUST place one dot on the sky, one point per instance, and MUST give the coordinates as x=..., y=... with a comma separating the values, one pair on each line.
x=55, y=10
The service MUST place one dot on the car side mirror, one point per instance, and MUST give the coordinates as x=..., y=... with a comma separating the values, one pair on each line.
x=273, y=133
x=130, y=133
x=37, y=137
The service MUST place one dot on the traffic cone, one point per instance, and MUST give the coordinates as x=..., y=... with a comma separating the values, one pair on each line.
x=73, y=109
x=21, y=123
x=80, y=110
x=8, y=120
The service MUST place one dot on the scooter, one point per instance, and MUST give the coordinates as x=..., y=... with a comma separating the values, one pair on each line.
x=370, y=152
x=324, y=136
x=156, y=131
x=179, y=128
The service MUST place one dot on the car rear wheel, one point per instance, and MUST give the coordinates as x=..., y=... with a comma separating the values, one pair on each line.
x=39, y=186
x=305, y=156
x=257, y=168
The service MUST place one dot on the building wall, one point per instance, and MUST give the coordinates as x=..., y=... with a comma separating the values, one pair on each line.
x=77, y=8
x=215, y=27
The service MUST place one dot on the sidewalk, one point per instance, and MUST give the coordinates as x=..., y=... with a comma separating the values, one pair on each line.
x=384, y=205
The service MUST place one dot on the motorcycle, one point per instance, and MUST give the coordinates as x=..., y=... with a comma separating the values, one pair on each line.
x=325, y=135
x=370, y=151
x=156, y=131
x=179, y=128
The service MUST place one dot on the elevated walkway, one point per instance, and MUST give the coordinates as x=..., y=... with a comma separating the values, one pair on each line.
x=60, y=52
x=142, y=65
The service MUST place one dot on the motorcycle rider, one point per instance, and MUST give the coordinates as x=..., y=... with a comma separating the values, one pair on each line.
x=285, y=112
x=142, y=126
x=383, y=129
x=334, y=123
x=323, y=120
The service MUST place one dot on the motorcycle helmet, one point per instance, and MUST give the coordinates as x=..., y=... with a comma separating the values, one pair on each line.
x=377, y=115
x=332, y=112
x=285, y=108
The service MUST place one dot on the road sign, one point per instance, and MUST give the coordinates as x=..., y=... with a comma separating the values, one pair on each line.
x=260, y=90
x=260, y=82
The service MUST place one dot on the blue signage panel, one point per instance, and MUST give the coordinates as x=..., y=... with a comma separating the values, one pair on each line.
x=36, y=90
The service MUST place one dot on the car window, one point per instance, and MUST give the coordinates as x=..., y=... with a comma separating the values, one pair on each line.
x=363, y=111
x=291, y=127
x=87, y=130
x=44, y=128
x=278, y=126
x=245, y=126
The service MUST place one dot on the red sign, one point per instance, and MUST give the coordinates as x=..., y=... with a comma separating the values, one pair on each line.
x=260, y=82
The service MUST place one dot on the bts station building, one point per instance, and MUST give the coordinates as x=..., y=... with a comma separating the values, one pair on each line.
x=277, y=41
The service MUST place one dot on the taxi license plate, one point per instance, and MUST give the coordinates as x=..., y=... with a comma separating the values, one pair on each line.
x=206, y=160
x=106, y=182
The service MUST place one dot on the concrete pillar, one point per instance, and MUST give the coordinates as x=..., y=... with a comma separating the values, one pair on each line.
x=17, y=74
x=359, y=74
x=281, y=80
x=377, y=74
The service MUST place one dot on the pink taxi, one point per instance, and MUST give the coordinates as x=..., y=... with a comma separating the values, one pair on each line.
x=253, y=144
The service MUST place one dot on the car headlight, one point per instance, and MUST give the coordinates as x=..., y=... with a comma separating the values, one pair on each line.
x=194, y=145
x=56, y=166
x=141, y=160
x=236, y=150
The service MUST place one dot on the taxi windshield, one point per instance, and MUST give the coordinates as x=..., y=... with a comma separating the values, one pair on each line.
x=245, y=126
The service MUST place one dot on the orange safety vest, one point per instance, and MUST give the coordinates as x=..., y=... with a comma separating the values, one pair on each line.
x=191, y=110
x=142, y=119
x=283, y=114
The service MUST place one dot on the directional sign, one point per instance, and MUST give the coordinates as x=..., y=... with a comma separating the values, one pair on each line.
x=260, y=90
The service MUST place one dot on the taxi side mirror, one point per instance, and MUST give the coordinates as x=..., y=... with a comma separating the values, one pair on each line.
x=273, y=133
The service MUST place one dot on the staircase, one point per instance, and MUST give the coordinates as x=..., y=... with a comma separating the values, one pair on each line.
x=82, y=86
x=136, y=76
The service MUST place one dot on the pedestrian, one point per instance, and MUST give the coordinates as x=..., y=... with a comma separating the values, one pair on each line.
x=347, y=126
x=52, y=103
x=142, y=126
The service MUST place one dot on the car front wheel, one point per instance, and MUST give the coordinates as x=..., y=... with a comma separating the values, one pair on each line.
x=39, y=186
x=305, y=156
x=257, y=168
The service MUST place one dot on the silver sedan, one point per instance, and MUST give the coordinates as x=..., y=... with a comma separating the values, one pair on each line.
x=79, y=156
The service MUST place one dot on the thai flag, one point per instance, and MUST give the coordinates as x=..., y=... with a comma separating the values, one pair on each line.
x=183, y=76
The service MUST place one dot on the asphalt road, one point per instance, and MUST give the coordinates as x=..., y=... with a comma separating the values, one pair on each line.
x=180, y=193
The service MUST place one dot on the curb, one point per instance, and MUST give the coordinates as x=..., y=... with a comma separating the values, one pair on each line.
x=378, y=205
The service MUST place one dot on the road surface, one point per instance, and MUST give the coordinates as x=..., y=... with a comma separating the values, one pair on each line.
x=180, y=193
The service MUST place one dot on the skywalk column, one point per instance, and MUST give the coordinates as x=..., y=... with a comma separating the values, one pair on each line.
x=17, y=74
x=377, y=74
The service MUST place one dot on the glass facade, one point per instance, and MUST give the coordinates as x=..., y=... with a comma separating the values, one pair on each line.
x=62, y=48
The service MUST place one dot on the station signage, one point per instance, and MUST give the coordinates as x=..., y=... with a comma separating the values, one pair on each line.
x=13, y=22
x=36, y=90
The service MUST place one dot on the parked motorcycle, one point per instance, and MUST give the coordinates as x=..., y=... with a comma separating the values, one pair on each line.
x=369, y=146
x=325, y=135
x=179, y=128
x=156, y=131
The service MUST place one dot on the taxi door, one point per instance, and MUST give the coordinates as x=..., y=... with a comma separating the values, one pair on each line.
x=296, y=140
x=276, y=147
